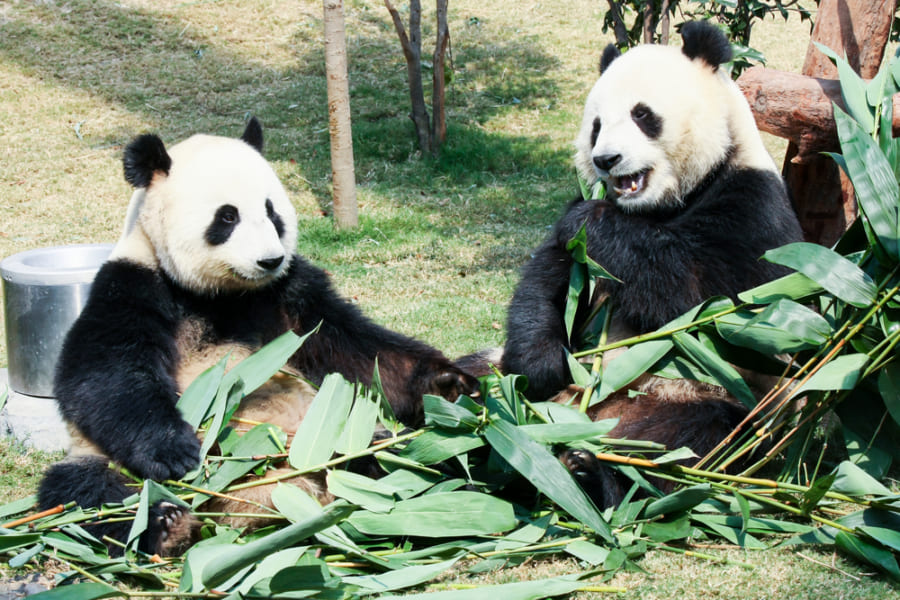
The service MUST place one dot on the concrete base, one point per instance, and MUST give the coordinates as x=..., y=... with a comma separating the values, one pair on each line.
x=33, y=421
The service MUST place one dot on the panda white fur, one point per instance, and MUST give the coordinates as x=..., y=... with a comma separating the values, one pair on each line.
x=207, y=265
x=693, y=201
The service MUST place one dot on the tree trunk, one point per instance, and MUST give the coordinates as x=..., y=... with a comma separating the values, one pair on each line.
x=619, y=29
x=857, y=29
x=438, y=117
x=342, y=173
x=412, y=51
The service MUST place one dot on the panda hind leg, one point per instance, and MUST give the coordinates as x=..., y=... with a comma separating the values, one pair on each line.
x=603, y=485
x=89, y=482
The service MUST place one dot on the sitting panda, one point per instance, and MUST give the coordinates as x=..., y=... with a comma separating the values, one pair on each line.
x=692, y=202
x=207, y=266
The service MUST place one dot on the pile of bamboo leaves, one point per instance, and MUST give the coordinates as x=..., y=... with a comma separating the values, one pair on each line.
x=480, y=488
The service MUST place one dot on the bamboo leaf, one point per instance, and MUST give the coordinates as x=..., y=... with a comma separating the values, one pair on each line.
x=534, y=462
x=793, y=286
x=197, y=400
x=726, y=375
x=840, y=373
x=562, y=433
x=321, y=428
x=666, y=531
x=440, y=412
x=679, y=501
x=889, y=387
x=733, y=534
x=473, y=513
x=588, y=552
x=81, y=591
x=853, y=481
x=438, y=445
x=400, y=578
x=885, y=536
x=360, y=490
x=581, y=375
x=829, y=269
x=872, y=177
x=577, y=275
x=361, y=423
x=523, y=590
x=221, y=562
x=630, y=365
x=866, y=552
x=782, y=327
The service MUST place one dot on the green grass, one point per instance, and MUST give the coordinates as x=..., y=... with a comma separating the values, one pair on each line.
x=440, y=242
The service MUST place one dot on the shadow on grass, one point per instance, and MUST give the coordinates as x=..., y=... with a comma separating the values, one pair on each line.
x=184, y=82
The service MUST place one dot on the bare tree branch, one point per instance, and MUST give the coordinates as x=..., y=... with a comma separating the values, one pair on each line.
x=412, y=50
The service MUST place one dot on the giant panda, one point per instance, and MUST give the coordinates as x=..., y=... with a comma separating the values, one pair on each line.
x=207, y=266
x=692, y=202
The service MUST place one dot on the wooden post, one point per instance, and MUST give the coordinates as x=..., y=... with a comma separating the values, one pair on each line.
x=857, y=29
x=343, y=179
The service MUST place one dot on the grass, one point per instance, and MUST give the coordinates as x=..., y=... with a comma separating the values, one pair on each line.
x=440, y=242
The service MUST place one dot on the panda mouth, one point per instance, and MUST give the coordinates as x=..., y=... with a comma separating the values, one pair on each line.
x=631, y=184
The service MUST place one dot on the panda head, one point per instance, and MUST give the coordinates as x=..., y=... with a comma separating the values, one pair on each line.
x=660, y=119
x=211, y=211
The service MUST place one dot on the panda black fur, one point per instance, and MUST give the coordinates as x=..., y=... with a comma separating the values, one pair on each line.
x=206, y=266
x=693, y=201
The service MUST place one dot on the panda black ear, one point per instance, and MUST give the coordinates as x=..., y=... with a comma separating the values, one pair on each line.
x=610, y=53
x=144, y=156
x=253, y=134
x=705, y=41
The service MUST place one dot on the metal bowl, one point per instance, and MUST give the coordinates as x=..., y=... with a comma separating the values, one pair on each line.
x=44, y=290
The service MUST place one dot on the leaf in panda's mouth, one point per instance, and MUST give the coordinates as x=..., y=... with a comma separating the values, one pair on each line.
x=630, y=184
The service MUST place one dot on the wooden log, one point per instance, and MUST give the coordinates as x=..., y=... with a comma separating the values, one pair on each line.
x=798, y=108
x=858, y=29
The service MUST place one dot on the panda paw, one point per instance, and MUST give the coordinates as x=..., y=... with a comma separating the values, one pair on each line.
x=171, y=529
x=597, y=480
x=168, y=454
x=452, y=383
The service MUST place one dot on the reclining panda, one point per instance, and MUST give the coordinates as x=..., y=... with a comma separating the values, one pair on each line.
x=693, y=200
x=207, y=266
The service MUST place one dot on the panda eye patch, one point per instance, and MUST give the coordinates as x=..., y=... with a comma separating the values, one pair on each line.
x=647, y=121
x=275, y=218
x=225, y=220
x=595, y=131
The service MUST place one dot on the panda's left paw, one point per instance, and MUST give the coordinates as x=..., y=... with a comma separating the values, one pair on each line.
x=598, y=481
x=171, y=529
x=452, y=383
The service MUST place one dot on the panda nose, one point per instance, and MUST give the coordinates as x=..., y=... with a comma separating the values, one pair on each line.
x=607, y=161
x=270, y=264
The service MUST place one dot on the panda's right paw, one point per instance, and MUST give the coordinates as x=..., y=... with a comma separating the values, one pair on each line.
x=597, y=480
x=171, y=529
x=168, y=454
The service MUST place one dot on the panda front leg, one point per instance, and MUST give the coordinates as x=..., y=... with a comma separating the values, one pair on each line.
x=88, y=481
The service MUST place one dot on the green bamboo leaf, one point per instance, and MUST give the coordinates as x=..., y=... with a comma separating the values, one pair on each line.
x=196, y=402
x=220, y=562
x=731, y=533
x=260, y=366
x=473, y=513
x=853, y=481
x=321, y=428
x=18, y=506
x=885, y=536
x=534, y=462
x=793, y=286
x=869, y=553
x=581, y=375
x=298, y=506
x=261, y=440
x=630, y=365
x=268, y=568
x=853, y=89
x=11, y=541
x=401, y=578
x=781, y=327
x=840, y=373
x=523, y=590
x=438, y=445
x=666, y=531
x=563, y=433
x=726, y=375
x=816, y=492
x=361, y=424
x=679, y=501
x=151, y=493
x=577, y=247
x=361, y=490
x=889, y=388
x=828, y=268
x=80, y=591
x=440, y=412
x=873, y=179
x=577, y=277
x=590, y=553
